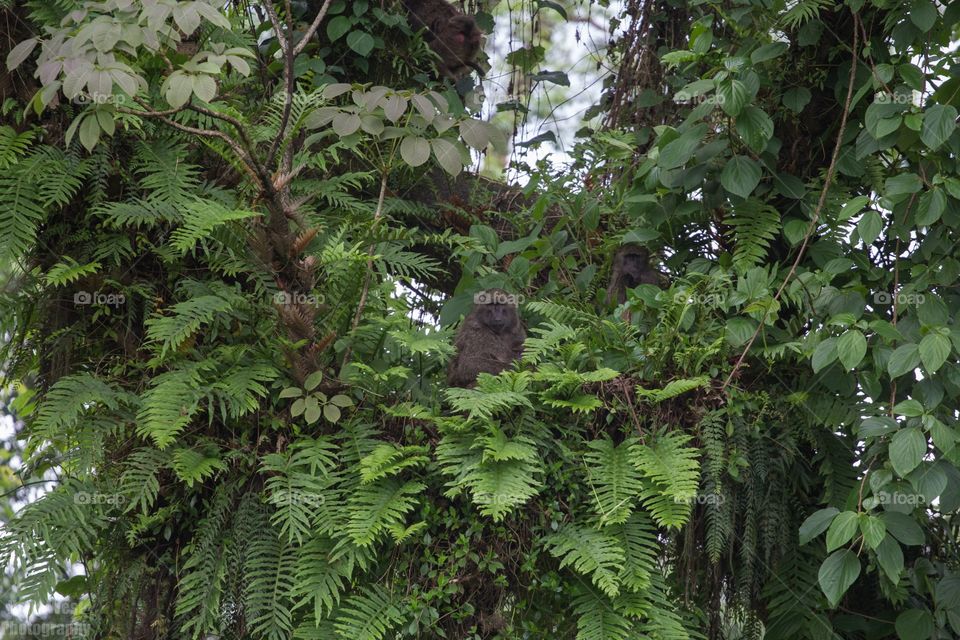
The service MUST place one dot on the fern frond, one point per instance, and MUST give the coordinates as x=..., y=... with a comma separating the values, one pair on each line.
x=168, y=405
x=754, y=224
x=368, y=615
x=374, y=507
x=674, y=473
x=673, y=389
x=200, y=218
x=270, y=569
x=139, y=483
x=598, y=620
x=69, y=270
x=73, y=397
x=613, y=479
x=389, y=460
x=321, y=579
x=300, y=485
x=13, y=145
x=591, y=553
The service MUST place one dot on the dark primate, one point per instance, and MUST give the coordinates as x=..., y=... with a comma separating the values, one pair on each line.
x=631, y=267
x=489, y=340
x=454, y=36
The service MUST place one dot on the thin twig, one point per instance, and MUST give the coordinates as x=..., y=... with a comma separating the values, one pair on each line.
x=366, y=280
x=312, y=29
x=820, y=204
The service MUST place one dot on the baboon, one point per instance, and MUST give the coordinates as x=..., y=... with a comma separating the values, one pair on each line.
x=489, y=340
x=452, y=35
x=631, y=267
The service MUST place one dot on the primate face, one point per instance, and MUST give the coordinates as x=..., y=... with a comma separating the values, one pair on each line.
x=633, y=266
x=497, y=317
x=465, y=36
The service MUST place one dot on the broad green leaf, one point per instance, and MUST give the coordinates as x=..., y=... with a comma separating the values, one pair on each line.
x=475, y=133
x=816, y=524
x=755, y=127
x=837, y=573
x=903, y=360
x=338, y=27
x=907, y=449
x=313, y=380
x=915, y=624
x=361, y=42
x=903, y=527
x=414, y=150
x=924, y=14
x=851, y=347
x=910, y=407
x=179, y=87
x=331, y=412
x=853, y=207
x=796, y=99
x=841, y=530
x=905, y=183
x=890, y=558
x=931, y=206
x=768, y=52
x=342, y=400
x=934, y=350
x=204, y=87
x=824, y=354
x=732, y=96
x=556, y=77
x=679, y=150
x=448, y=156
x=939, y=123
x=345, y=124
x=20, y=52
x=298, y=407
x=869, y=226
x=873, y=530
x=947, y=592
x=929, y=480
x=740, y=176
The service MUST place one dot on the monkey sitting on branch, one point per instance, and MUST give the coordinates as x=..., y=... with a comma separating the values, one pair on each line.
x=489, y=340
x=452, y=35
x=631, y=267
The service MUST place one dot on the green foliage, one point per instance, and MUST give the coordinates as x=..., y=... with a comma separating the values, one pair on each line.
x=217, y=233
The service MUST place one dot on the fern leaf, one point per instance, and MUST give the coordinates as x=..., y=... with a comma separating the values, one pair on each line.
x=389, y=460
x=368, y=615
x=591, y=553
x=613, y=479
x=375, y=507
x=200, y=218
x=674, y=474
x=597, y=619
